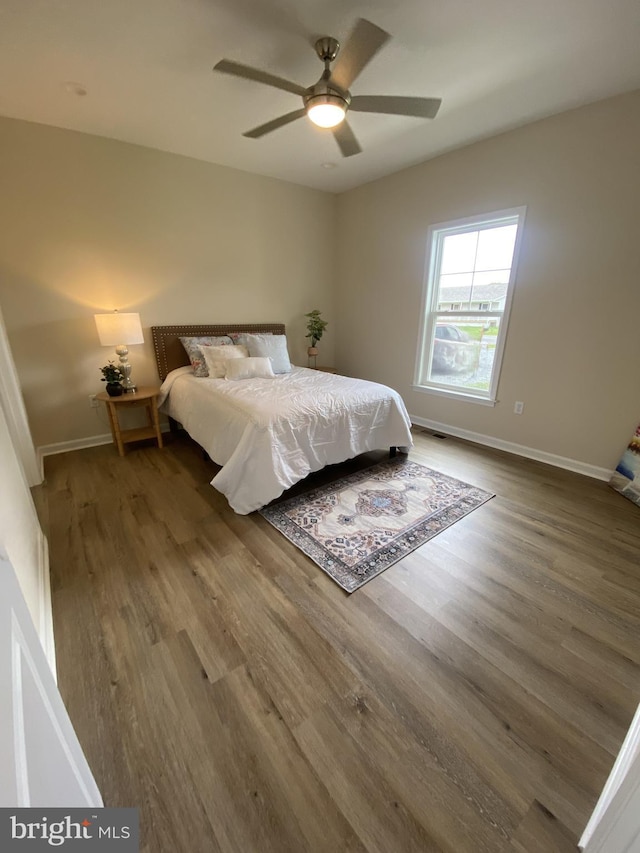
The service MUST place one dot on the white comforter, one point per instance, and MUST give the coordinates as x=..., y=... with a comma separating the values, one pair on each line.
x=270, y=433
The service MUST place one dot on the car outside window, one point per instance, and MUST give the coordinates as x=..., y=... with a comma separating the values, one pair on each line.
x=471, y=267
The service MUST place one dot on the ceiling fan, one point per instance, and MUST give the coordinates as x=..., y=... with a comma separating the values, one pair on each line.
x=327, y=101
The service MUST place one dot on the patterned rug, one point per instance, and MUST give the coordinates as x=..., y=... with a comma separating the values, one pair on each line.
x=360, y=525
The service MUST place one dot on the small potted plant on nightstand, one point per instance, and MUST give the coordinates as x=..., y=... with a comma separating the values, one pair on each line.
x=112, y=375
x=315, y=329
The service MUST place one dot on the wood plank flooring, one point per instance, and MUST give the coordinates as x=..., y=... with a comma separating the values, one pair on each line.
x=471, y=699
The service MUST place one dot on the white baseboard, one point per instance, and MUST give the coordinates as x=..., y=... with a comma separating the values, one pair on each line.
x=67, y=446
x=477, y=437
x=45, y=628
x=77, y=444
x=517, y=449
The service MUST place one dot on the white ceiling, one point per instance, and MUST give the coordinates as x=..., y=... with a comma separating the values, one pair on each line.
x=146, y=66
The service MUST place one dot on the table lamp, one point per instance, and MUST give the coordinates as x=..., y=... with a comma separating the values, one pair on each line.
x=118, y=330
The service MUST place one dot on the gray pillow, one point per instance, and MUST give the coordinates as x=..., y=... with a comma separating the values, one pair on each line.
x=271, y=346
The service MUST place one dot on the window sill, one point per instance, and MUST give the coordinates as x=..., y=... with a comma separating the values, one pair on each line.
x=454, y=395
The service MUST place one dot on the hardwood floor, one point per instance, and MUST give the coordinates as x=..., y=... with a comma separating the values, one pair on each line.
x=471, y=698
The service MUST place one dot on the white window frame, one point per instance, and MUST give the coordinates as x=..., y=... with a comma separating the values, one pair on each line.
x=430, y=314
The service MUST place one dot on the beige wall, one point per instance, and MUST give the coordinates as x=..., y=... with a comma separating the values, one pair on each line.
x=573, y=349
x=89, y=224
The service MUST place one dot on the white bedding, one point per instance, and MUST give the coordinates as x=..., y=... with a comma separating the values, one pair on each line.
x=270, y=433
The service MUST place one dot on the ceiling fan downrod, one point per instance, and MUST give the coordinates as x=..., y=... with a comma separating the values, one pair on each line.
x=326, y=103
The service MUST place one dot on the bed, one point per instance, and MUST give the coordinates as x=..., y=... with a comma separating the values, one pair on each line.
x=268, y=434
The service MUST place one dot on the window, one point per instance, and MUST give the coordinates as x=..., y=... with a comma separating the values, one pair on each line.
x=468, y=290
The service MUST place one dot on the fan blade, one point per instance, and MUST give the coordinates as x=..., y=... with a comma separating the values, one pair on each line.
x=257, y=132
x=346, y=139
x=363, y=44
x=392, y=105
x=248, y=73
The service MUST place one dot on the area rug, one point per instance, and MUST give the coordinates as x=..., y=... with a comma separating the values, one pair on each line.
x=360, y=525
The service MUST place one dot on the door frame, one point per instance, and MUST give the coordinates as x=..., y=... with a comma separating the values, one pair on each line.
x=15, y=412
x=15, y=416
x=43, y=761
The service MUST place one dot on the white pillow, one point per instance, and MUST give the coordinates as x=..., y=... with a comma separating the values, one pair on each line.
x=249, y=368
x=216, y=358
x=273, y=346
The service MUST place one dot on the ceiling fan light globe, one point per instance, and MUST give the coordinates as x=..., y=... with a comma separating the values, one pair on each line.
x=326, y=110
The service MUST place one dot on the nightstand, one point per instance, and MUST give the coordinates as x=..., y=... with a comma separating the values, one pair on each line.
x=147, y=397
x=325, y=369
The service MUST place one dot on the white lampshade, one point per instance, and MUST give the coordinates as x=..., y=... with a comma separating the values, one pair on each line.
x=114, y=329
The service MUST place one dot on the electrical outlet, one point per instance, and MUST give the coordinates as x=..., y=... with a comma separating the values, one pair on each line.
x=519, y=407
x=93, y=402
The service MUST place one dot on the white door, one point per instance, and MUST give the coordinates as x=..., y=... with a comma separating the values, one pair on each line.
x=41, y=760
x=615, y=823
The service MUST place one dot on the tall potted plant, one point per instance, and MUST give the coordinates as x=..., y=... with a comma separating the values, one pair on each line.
x=315, y=329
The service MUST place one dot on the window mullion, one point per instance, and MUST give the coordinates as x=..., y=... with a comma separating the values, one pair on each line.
x=475, y=264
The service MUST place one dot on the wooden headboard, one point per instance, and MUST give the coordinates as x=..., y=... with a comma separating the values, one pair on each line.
x=171, y=354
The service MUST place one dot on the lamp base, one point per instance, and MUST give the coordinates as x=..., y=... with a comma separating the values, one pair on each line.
x=125, y=368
